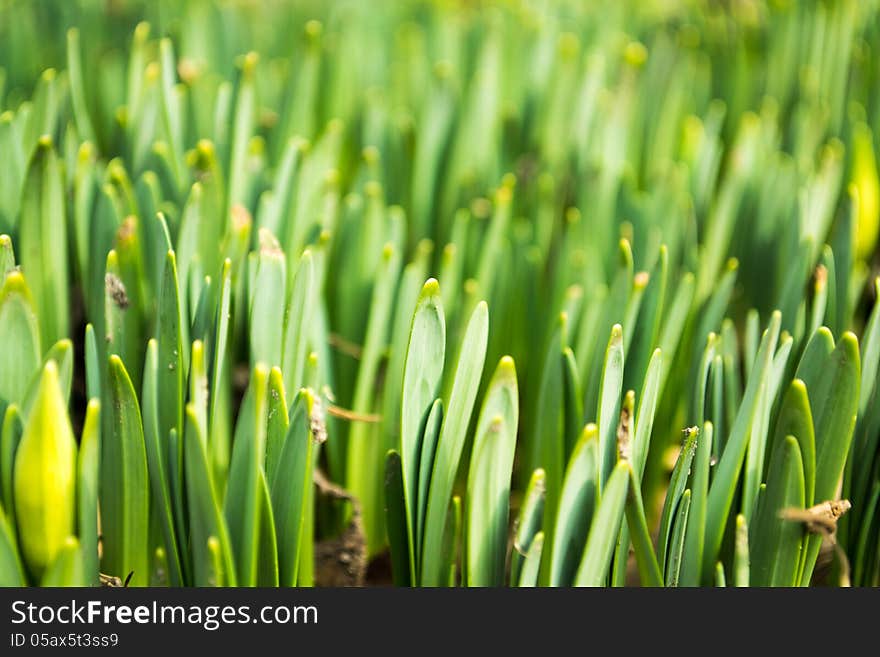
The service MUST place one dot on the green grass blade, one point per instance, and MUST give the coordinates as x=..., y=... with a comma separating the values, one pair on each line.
x=11, y=568
x=677, y=485
x=268, y=288
x=297, y=322
x=43, y=240
x=67, y=569
x=488, y=489
x=796, y=419
x=528, y=525
x=646, y=331
x=674, y=321
x=277, y=423
x=62, y=355
x=729, y=465
x=205, y=516
x=870, y=347
x=242, y=503
x=610, y=397
x=692, y=558
x=741, y=559
x=421, y=378
x=245, y=115
x=218, y=413
x=267, y=549
x=365, y=447
x=867, y=536
x=532, y=562
x=775, y=543
x=405, y=303
x=124, y=488
x=452, y=541
x=720, y=579
x=833, y=391
x=676, y=539
x=88, y=471
x=170, y=382
x=19, y=327
x=10, y=437
x=573, y=401
x=757, y=449
x=198, y=383
x=577, y=503
x=832, y=386
x=604, y=529
x=7, y=256
x=290, y=491
x=644, y=420
x=452, y=437
x=547, y=438
x=92, y=365
x=430, y=438
x=77, y=91
x=646, y=558
x=396, y=521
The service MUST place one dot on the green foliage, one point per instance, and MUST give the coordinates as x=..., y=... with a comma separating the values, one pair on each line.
x=232, y=267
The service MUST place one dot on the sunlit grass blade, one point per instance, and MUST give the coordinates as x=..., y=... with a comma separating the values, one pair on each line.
x=456, y=420
x=92, y=365
x=277, y=423
x=741, y=557
x=528, y=525
x=675, y=549
x=532, y=562
x=421, y=377
x=691, y=574
x=488, y=490
x=674, y=492
x=577, y=503
x=609, y=403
